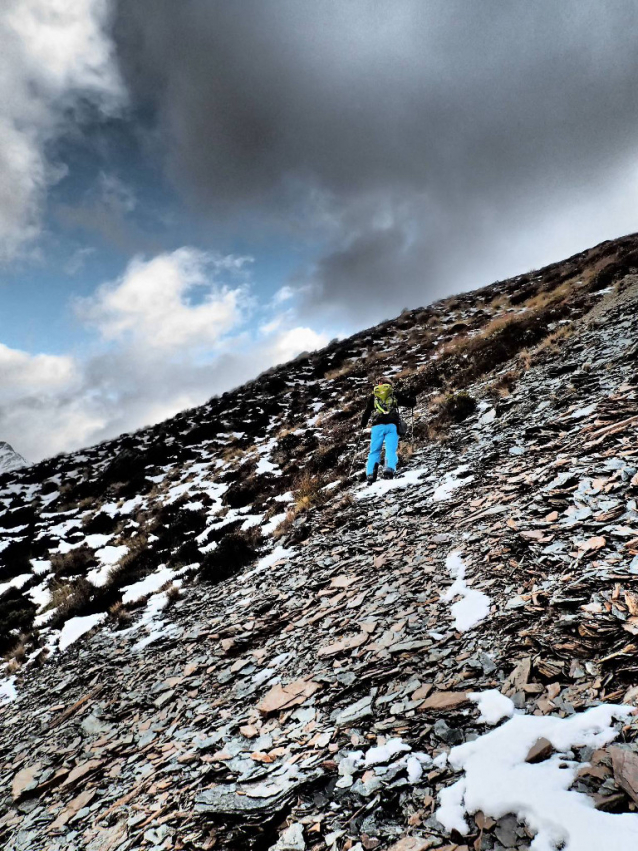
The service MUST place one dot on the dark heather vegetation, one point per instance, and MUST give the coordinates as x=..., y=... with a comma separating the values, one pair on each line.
x=234, y=552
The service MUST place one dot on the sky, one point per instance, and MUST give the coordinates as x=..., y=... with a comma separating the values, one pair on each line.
x=194, y=191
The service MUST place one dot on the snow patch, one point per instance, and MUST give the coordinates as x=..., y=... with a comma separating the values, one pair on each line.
x=267, y=561
x=269, y=528
x=76, y=627
x=498, y=781
x=450, y=483
x=108, y=557
x=152, y=622
x=494, y=706
x=40, y=595
x=410, y=477
x=41, y=566
x=384, y=753
x=111, y=555
x=96, y=541
x=8, y=691
x=474, y=606
x=152, y=583
x=16, y=582
x=266, y=466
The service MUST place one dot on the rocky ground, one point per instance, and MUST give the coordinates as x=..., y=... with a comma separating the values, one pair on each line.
x=222, y=641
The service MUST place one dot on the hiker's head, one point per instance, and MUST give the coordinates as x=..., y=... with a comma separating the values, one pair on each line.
x=383, y=379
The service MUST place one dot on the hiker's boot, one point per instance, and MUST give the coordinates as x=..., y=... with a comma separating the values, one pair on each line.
x=388, y=473
x=370, y=479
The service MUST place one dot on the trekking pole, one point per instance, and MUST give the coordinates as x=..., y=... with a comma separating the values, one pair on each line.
x=354, y=454
x=412, y=431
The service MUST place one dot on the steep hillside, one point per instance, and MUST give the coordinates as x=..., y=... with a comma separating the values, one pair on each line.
x=216, y=638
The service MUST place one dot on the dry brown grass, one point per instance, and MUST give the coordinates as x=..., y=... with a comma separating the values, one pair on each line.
x=73, y=563
x=552, y=341
x=444, y=410
x=173, y=594
x=60, y=593
x=341, y=371
x=525, y=359
x=503, y=385
x=120, y=614
x=13, y=666
x=127, y=569
x=545, y=298
x=15, y=657
x=307, y=491
x=499, y=301
x=404, y=373
x=374, y=359
x=284, y=432
x=234, y=453
x=69, y=599
x=406, y=448
x=285, y=525
x=499, y=323
x=549, y=345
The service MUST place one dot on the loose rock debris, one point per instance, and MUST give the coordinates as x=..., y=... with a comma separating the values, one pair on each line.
x=325, y=694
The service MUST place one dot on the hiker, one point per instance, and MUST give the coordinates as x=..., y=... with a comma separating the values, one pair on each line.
x=383, y=408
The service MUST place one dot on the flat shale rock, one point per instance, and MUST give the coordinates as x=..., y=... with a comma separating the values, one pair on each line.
x=540, y=751
x=625, y=766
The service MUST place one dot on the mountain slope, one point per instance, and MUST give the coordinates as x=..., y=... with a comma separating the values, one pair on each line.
x=9, y=458
x=207, y=618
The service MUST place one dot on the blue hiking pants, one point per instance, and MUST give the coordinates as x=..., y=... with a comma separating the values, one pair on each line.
x=383, y=434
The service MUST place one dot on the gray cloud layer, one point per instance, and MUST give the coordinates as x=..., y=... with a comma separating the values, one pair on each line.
x=420, y=143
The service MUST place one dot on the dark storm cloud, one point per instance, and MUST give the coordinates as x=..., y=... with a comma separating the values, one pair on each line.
x=409, y=138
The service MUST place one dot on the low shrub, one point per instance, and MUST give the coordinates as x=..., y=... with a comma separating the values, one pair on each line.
x=100, y=523
x=176, y=526
x=71, y=600
x=504, y=384
x=307, y=491
x=242, y=493
x=203, y=431
x=22, y=516
x=16, y=616
x=134, y=566
x=119, y=613
x=326, y=458
x=456, y=407
x=235, y=551
x=173, y=594
x=76, y=562
x=16, y=559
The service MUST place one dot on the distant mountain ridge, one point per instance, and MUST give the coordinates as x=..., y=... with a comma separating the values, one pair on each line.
x=9, y=458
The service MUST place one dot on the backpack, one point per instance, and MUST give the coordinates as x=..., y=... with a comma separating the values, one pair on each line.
x=384, y=402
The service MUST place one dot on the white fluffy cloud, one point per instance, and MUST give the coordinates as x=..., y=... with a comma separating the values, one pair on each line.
x=52, y=54
x=24, y=373
x=173, y=331
x=43, y=408
x=152, y=303
x=289, y=343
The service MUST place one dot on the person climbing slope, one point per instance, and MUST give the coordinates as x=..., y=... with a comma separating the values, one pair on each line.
x=383, y=407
